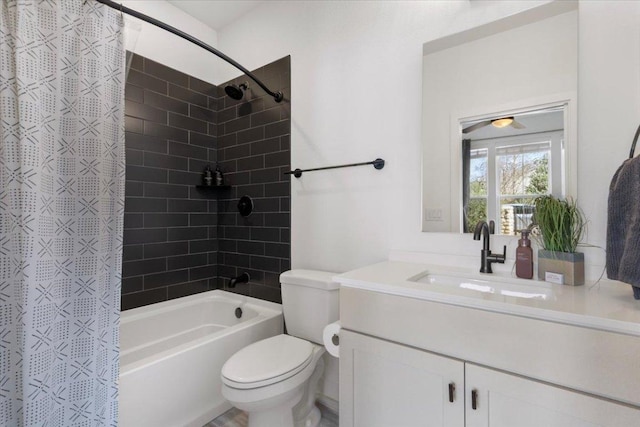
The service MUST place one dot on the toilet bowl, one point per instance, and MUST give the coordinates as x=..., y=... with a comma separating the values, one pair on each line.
x=275, y=380
x=275, y=391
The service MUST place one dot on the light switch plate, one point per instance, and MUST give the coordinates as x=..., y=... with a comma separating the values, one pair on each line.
x=433, y=214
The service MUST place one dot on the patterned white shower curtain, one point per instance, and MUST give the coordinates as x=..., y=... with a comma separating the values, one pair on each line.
x=61, y=211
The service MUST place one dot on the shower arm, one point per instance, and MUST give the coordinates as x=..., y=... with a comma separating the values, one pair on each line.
x=278, y=96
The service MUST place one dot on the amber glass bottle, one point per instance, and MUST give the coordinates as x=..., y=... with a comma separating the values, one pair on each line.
x=524, y=257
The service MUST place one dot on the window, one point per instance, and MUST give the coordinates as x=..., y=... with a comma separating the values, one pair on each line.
x=507, y=174
x=476, y=209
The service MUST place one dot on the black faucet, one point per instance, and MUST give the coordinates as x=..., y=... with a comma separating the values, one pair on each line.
x=243, y=278
x=487, y=258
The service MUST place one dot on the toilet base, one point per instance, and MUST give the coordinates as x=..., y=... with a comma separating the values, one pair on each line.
x=311, y=420
x=280, y=416
x=306, y=413
x=299, y=409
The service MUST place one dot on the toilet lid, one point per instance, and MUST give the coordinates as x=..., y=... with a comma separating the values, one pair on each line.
x=267, y=362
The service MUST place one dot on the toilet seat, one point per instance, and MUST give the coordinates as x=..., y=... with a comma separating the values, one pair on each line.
x=267, y=362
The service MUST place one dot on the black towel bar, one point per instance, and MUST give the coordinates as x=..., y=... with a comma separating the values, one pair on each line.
x=377, y=163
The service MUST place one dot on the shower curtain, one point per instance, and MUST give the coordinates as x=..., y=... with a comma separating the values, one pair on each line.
x=61, y=211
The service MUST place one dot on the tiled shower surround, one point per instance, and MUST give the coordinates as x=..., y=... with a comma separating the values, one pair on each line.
x=179, y=239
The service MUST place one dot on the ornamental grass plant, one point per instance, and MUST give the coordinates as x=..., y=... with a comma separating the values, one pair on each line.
x=559, y=224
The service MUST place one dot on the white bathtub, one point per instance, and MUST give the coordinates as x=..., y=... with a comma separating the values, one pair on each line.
x=172, y=354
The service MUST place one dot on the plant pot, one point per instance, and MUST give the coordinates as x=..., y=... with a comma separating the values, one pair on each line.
x=569, y=264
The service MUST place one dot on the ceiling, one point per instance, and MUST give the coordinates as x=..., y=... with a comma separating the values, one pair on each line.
x=216, y=13
x=534, y=122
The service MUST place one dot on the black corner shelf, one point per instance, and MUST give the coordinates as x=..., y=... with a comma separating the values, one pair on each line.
x=212, y=187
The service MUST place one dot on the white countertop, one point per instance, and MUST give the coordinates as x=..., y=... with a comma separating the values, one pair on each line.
x=607, y=305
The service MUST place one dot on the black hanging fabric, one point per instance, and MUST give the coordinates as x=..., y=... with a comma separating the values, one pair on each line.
x=623, y=223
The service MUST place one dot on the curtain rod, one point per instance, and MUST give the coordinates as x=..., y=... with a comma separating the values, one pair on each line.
x=278, y=96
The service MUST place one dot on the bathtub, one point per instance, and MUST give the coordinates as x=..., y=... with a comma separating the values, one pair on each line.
x=171, y=355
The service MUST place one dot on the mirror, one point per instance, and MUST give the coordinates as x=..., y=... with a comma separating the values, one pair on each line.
x=499, y=120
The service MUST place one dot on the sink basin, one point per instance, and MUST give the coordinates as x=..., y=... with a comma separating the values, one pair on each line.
x=606, y=306
x=498, y=286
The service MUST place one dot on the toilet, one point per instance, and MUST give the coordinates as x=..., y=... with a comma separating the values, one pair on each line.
x=275, y=380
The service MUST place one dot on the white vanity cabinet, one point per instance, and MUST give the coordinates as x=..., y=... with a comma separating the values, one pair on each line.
x=569, y=358
x=384, y=384
x=505, y=400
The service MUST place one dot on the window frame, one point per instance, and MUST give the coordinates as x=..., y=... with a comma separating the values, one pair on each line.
x=556, y=174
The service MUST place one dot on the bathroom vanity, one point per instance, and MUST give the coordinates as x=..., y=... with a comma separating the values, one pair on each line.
x=425, y=346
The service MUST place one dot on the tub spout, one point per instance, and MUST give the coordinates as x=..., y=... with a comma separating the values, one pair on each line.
x=243, y=278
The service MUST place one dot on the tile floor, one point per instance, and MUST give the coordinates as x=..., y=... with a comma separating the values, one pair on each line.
x=237, y=418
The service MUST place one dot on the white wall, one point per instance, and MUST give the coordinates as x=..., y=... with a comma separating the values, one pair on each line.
x=356, y=79
x=168, y=49
x=609, y=101
x=356, y=89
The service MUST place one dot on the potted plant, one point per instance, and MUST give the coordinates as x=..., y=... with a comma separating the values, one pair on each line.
x=558, y=228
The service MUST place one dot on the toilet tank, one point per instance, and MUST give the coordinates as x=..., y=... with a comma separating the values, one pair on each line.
x=309, y=302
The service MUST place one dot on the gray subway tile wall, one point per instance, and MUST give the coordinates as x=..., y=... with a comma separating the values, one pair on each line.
x=165, y=248
x=253, y=150
x=179, y=239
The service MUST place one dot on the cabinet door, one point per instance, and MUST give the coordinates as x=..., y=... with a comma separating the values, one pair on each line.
x=505, y=400
x=383, y=384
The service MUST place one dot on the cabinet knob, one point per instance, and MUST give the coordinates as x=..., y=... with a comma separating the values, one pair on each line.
x=452, y=390
x=474, y=399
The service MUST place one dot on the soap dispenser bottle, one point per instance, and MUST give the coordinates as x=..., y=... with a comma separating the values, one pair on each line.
x=207, y=177
x=219, y=177
x=524, y=257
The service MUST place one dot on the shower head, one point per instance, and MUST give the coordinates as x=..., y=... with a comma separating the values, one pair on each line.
x=236, y=91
